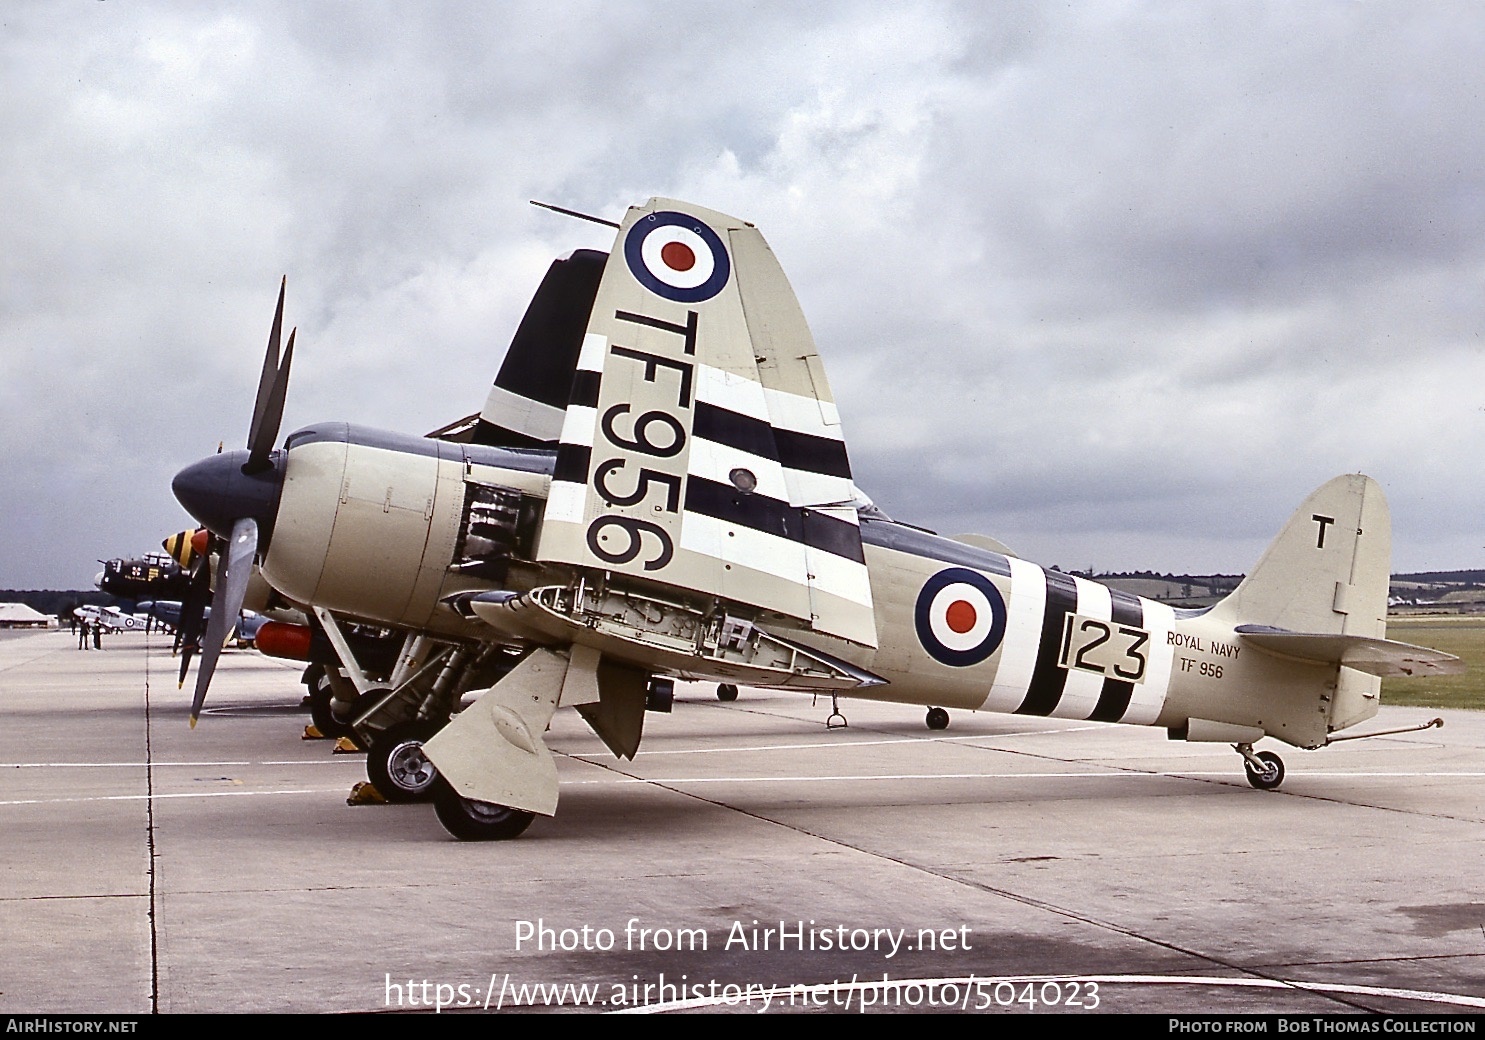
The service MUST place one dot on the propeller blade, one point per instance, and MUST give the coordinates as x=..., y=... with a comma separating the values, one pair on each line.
x=193, y=606
x=233, y=572
x=270, y=365
x=266, y=421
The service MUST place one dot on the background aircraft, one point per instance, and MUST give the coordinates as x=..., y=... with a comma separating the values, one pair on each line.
x=151, y=576
x=114, y=619
x=698, y=519
x=244, y=632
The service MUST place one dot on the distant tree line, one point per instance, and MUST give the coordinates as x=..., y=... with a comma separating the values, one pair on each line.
x=1444, y=577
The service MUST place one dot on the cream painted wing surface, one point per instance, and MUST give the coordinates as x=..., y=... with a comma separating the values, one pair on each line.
x=701, y=447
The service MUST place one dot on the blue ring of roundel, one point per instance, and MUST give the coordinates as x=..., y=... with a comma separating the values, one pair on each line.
x=645, y=226
x=961, y=658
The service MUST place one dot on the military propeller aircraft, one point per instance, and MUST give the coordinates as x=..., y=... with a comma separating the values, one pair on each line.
x=688, y=511
x=151, y=576
x=245, y=631
x=112, y=618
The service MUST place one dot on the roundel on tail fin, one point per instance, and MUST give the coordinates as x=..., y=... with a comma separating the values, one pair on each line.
x=677, y=256
x=960, y=617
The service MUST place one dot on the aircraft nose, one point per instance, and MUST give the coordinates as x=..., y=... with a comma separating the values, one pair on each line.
x=218, y=493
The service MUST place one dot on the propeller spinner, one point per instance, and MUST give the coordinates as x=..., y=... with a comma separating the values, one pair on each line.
x=235, y=496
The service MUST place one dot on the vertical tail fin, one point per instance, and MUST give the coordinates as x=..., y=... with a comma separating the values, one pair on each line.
x=1328, y=569
x=1325, y=575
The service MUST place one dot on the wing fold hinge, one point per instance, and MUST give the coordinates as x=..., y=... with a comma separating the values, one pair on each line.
x=669, y=636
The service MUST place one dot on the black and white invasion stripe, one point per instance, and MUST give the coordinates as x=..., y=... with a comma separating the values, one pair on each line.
x=1029, y=678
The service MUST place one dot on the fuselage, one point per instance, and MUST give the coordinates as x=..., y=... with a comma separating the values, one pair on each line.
x=389, y=529
x=963, y=627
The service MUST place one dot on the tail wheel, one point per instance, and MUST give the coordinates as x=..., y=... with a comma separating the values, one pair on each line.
x=937, y=718
x=469, y=820
x=1269, y=774
x=396, y=765
x=726, y=692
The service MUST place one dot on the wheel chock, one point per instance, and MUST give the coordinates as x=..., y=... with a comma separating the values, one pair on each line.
x=365, y=793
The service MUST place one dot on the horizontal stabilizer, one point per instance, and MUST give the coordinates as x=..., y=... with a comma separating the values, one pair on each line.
x=1384, y=657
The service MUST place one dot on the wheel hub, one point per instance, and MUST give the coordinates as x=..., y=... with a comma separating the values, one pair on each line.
x=409, y=767
x=487, y=811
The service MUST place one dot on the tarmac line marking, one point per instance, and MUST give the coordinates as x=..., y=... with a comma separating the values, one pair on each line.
x=861, y=743
x=857, y=779
x=183, y=794
x=1124, y=774
x=191, y=765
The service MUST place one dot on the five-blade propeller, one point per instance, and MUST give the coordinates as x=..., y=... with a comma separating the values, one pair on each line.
x=236, y=552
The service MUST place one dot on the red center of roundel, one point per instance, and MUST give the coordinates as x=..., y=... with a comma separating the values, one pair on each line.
x=678, y=256
x=961, y=616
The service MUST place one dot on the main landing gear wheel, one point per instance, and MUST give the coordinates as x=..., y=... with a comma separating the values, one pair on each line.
x=469, y=820
x=396, y=765
x=937, y=718
x=1268, y=775
x=726, y=692
x=322, y=711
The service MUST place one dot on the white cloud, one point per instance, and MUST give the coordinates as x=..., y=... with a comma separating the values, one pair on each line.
x=1117, y=282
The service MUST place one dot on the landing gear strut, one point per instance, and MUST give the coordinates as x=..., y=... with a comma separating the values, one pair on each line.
x=836, y=719
x=1264, y=768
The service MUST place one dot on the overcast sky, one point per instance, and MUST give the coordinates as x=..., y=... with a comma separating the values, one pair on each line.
x=1116, y=283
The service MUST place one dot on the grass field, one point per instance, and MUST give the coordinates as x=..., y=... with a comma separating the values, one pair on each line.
x=1461, y=635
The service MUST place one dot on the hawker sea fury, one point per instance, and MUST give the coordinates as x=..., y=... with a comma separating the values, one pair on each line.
x=696, y=518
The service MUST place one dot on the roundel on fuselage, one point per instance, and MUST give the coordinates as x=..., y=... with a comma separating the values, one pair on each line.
x=677, y=256
x=960, y=617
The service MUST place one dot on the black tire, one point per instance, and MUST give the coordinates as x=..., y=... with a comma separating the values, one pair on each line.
x=396, y=766
x=726, y=692
x=937, y=718
x=310, y=678
x=1272, y=774
x=323, y=715
x=469, y=820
